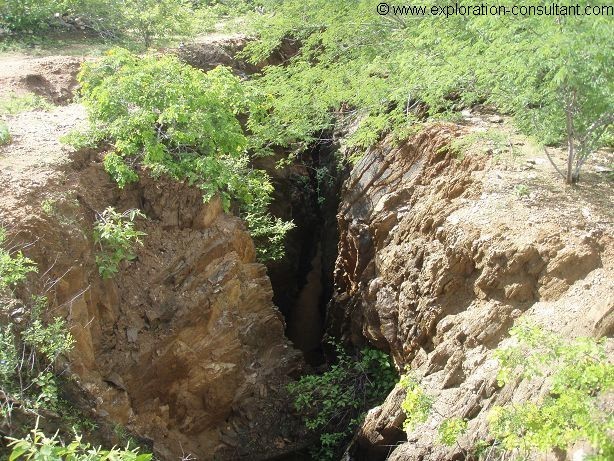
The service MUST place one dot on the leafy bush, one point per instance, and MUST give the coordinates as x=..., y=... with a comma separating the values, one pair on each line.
x=27, y=355
x=416, y=405
x=115, y=234
x=37, y=446
x=26, y=15
x=334, y=403
x=146, y=21
x=154, y=20
x=450, y=430
x=26, y=362
x=13, y=267
x=384, y=73
x=5, y=135
x=174, y=120
x=573, y=410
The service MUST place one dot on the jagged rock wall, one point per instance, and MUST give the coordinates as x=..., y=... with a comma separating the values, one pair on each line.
x=183, y=347
x=437, y=258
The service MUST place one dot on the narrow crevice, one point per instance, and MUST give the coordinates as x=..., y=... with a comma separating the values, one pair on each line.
x=303, y=281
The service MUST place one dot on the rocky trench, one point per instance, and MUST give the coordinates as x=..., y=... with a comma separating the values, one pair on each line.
x=412, y=250
x=436, y=262
x=190, y=347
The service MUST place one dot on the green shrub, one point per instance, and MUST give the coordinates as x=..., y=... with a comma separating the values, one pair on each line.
x=450, y=430
x=582, y=376
x=333, y=404
x=5, y=134
x=115, y=234
x=145, y=21
x=416, y=405
x=26, y=361
x=522, y=190
x=174, y=120
x=155, y=20
x=13, y=267
x=27, y=16
x=27, y=353
x=78, y=139
x=371, y=71
x=37, y=446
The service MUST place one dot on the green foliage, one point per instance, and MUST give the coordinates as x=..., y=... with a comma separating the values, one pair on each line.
x=522, y=190
x=48, y=206
x=115, y=234
x=26, y=15
x=5, y=134
x=174, y=120
x=50, y=340
x=416, y=405
x=155, y=20
x=9, y=360
x=37, y=446
x=78, y=139
x=37, y=347
x=333, y=403
x=13, y=267
x=267, y=230
x=16, y=103
x=387, y=72
x=451, y=429
x=145, y=21
x=27, y=354
x=573, y=410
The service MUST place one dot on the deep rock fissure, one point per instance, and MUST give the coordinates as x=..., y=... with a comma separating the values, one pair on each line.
x=303, y=282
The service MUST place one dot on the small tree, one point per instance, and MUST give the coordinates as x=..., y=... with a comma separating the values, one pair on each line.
x=149, y=20
x=554, y=73
x=174, y=120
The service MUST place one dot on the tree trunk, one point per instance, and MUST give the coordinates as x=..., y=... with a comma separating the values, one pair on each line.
x=571, y=152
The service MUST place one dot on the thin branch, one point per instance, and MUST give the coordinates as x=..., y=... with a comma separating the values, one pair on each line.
x=554, y=164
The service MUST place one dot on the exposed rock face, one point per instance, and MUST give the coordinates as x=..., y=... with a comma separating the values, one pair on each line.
x=437, y=259
x=184, y=346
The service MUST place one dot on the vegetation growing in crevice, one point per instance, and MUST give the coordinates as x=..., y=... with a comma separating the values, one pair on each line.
x=575, y=408
x=29, y=347
x=38, y=446
x=416, y=404
x=334, y=403
x=450, y=430
x=171, y=119
x=115, y=234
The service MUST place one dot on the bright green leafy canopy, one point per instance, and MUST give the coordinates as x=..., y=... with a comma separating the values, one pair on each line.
x=387, y=72
x=174, y=120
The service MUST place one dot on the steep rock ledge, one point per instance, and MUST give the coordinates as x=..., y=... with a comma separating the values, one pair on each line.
x=437, y=258
x=184, y=347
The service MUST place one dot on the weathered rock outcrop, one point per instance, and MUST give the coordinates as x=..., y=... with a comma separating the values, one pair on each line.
x=438, y=257
x=183, y=347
